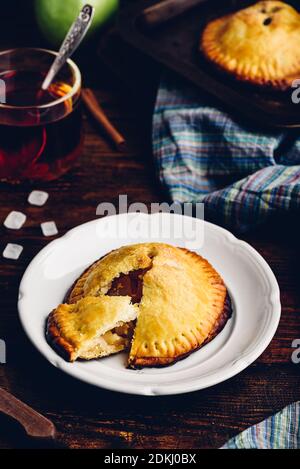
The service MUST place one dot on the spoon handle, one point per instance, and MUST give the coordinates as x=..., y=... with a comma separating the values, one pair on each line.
x=73, y=39
x=35, y=424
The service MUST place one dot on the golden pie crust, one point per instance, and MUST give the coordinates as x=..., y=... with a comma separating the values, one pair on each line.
x=259, y=44
x=88, y=329
x=158, y=301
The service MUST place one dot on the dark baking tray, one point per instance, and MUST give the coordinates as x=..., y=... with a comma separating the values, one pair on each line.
x=174, y=43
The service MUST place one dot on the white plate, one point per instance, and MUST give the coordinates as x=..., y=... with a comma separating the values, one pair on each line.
x=251, y=283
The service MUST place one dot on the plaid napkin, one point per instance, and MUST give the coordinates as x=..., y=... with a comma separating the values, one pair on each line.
x=243, y=175
x=281, y=431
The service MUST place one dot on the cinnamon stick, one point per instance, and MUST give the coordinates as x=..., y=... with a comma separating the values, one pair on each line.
x=98, y=113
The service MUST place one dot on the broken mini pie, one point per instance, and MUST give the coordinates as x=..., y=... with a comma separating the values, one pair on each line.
x=157, y=301
x=259, y=44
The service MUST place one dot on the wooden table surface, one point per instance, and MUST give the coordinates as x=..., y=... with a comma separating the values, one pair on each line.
x=87, y=417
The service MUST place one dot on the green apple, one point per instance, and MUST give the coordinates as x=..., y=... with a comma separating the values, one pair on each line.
x=54, y=17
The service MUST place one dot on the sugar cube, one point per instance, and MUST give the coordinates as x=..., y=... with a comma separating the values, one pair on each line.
x=49, y=228
x=12, y=251
x=15, y=220
x=38, y=198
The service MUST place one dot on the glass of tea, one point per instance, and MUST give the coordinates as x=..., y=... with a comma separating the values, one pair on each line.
x=40, y=131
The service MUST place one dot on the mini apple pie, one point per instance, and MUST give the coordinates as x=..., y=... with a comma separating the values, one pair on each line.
x=259, y=44
x=157, y=301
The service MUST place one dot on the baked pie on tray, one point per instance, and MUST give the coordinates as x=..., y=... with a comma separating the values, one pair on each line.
x=157, y=301
x=258, y=44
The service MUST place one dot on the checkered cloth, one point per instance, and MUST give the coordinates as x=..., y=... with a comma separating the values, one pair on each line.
x=243, y=175
x=281, y=431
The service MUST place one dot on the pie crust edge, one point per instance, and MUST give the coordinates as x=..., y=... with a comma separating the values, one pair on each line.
x=209, y=48
x=65, y=348
x=160, y=362
x=220, y=322
x=57, y=341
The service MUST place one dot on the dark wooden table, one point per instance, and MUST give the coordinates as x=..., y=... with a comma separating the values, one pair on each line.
x=87, y=417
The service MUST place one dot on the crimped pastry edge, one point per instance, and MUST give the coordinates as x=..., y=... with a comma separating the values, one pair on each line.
x=67, y=351
x=207, y=45
x=224, y=316
x=57, y=341
x=280, y=85
x=156, y=362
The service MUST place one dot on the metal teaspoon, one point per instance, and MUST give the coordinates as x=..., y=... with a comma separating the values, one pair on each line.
x=74, y=37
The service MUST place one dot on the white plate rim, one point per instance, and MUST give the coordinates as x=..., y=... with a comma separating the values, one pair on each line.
x=237, y=367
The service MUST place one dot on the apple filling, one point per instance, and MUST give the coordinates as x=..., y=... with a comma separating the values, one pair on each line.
x=119, y=338
x=130, y=284
x=99, y=326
